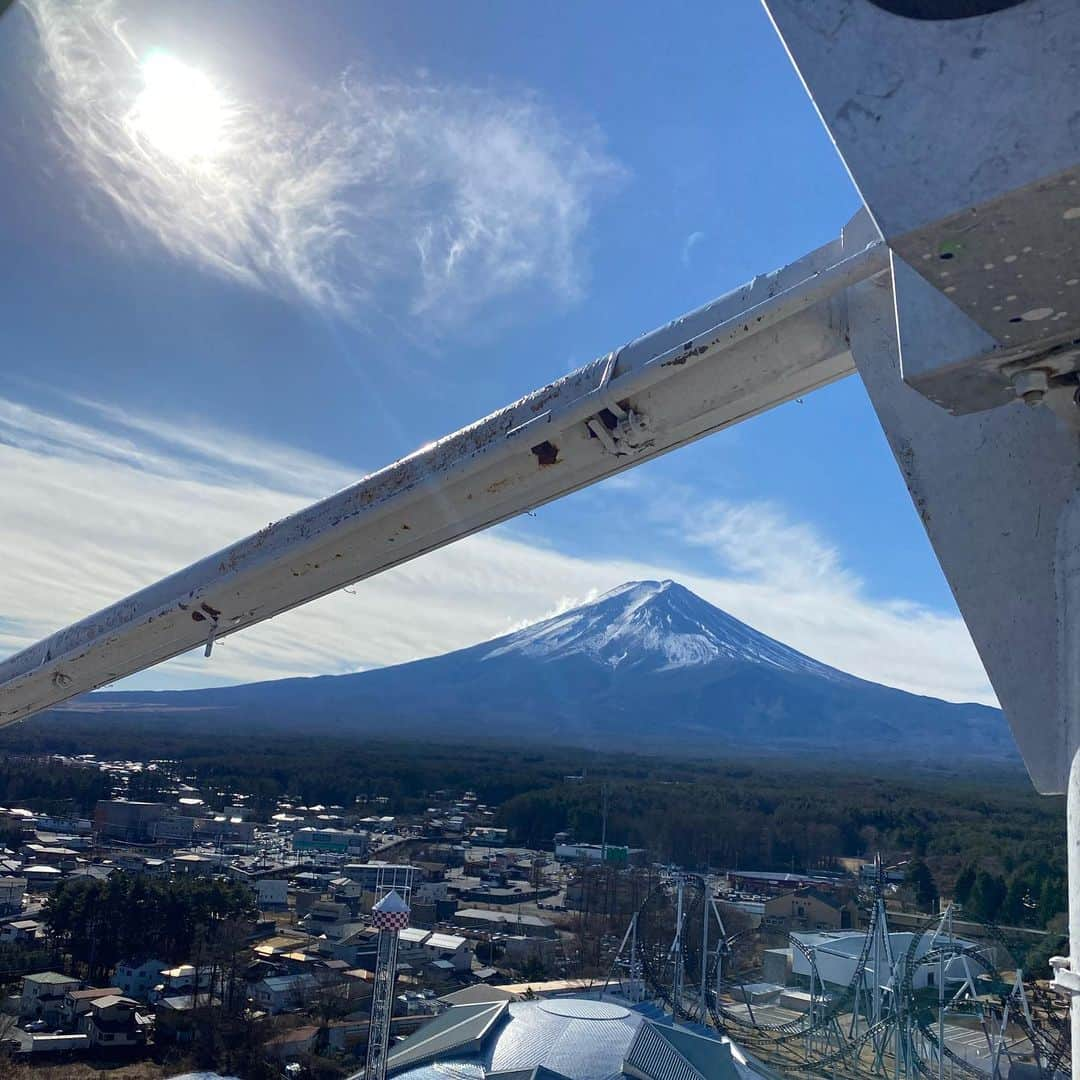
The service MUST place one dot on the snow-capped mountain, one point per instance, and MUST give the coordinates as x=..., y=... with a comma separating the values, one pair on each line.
x=654, y=625
x=647, y=666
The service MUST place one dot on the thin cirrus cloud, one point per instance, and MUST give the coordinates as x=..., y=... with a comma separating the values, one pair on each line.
x=374, y=195
x=97, y=504
x=689, y=244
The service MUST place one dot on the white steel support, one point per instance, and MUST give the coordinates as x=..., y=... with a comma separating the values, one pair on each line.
x=703, y=996
x=676, y=954
x=776, y=338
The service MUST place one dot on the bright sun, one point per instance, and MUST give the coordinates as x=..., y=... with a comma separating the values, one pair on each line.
x=179, y=110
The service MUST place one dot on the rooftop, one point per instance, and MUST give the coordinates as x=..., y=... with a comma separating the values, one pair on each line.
x=94, y=992
x=50, y=978
x=571, y=1038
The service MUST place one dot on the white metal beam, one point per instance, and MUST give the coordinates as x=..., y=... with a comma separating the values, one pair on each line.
x=778, y=337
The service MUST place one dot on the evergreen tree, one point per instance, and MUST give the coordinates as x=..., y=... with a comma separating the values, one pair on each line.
x=987, y=896
x=1014, y=910
x=964, y=883
x=922, y=884
x=1053, y=898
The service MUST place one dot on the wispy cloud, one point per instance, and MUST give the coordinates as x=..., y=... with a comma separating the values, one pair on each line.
x=689, y=244
x=372, y=195
x=99, y=505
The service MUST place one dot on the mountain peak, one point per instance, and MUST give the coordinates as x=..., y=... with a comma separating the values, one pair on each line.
x=653, y=625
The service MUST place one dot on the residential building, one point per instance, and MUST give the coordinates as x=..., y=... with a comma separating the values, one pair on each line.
x=357, y=948
x=137, y=977
x=112, y=1023
x=41, y=878
x=77, y=1003
x=272, y=893
x=284, y=992
x=485, y=836
x=12, y=892
x=188, y=979
x=520, y=950
x=43, y=995
x=295, y=1043
x=810, y=909
x=418, y=947
x=175, y=1017
x=20, y=930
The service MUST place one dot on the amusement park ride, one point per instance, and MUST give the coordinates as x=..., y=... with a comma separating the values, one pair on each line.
x=904, y=999
x=954, y=294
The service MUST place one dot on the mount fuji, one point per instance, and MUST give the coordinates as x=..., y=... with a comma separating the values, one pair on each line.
x=647, y=666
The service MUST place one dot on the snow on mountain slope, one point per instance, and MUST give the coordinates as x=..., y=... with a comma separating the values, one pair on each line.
x=648, y=666
x=654, y=625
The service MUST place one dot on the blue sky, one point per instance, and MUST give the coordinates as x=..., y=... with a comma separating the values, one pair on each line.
x=412, y=214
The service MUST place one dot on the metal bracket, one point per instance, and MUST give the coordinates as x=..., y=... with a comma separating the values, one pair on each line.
x=1065, y=980
x=620, y=431
x=211, y=636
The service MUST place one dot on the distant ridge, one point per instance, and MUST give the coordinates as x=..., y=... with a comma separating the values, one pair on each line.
x=647, y=666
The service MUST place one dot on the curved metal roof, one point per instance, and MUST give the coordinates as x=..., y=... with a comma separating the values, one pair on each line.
x=582, y=1040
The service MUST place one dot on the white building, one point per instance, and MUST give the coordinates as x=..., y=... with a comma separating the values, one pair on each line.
x=12, y=891
x=837, y=955
x=43, y=994
x=137, y=978
x=281, y=992
x=418, y=946
x=272, y=892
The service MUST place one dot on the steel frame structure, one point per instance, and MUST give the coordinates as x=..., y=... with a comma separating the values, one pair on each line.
x=955, y=295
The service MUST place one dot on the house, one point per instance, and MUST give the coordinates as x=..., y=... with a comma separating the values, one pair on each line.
x=419, y=946
x=272, y=893
x=176, y=1017
x=357, y=947
x=136, y=978
x=41, y=878
x=324, y=915
x=810, y=909
x=283, y=992
x=43, y=995
x=186, y=979
x=295, y=1043
x=77, y=1003
x=520, y=950
x=21, y=930
x=112, y=1023
x=12, y=890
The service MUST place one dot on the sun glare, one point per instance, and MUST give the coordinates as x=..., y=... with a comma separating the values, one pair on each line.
x=179, y=110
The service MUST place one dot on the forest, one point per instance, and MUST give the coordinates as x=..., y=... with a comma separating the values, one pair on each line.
x=982, y=835
x=99, y=923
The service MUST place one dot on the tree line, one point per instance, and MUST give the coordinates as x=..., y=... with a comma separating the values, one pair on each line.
x=132, y=916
